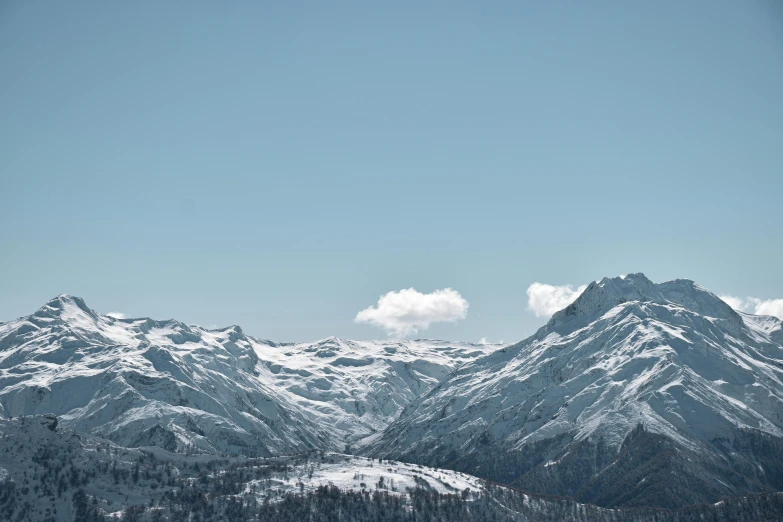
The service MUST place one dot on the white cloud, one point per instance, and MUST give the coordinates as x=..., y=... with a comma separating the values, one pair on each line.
x=484, y=341
x=117, y=315
x=736, y=303
x=407, y=311
x=544, y=300
x=754, y=305
x=770, y=307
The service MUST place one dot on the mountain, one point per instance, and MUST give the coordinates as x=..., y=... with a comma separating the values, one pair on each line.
x=636, y=394
x=358, y=387
x=141, y=382
x=49, y=472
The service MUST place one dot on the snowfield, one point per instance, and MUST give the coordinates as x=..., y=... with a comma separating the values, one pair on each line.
x=358, y=387
x=349, y=472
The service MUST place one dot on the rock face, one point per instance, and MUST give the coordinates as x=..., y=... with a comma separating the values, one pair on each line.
x=141, y=382
x=635, y=394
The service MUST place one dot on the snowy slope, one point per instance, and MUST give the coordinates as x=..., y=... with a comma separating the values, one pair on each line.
x=142, y=382
x=358, y=473
x=358, y=387
x=637, y=394
x=561, y=411
x=39, y=451
x=48, y=472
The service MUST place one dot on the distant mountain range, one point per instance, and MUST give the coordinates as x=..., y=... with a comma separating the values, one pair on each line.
x=141, y=382
x=635, y=395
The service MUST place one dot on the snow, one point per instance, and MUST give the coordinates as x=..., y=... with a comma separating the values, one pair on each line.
x=350, y=472
x=28, y=440
x=38, y=449
x=219, y=390
x=671, y=356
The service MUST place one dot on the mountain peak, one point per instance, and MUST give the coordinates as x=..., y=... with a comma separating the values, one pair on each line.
x=639, y=282
x=62, y=304
x=60, y=300
x=601, y=296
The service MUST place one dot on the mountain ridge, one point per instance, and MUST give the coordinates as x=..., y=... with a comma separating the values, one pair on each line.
x=670, y=357
x=81, y=477
x=636, y=394
x=219, y=390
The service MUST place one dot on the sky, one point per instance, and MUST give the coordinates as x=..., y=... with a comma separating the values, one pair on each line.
x=364, y=169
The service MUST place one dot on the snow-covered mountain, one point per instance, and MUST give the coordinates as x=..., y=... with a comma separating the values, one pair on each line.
x=48, y=472
x=142, y=382
x=358, y=387
x=65, y=461
x=635, y=394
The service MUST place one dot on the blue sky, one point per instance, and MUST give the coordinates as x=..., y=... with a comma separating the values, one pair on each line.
x=282, y=165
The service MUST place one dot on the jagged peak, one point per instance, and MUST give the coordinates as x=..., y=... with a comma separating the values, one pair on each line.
x=62, y=300
x=235, y=333
x=633, y=284
x=331, y=340
x=56, y=306
x=601, y=296
x=234, y=328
